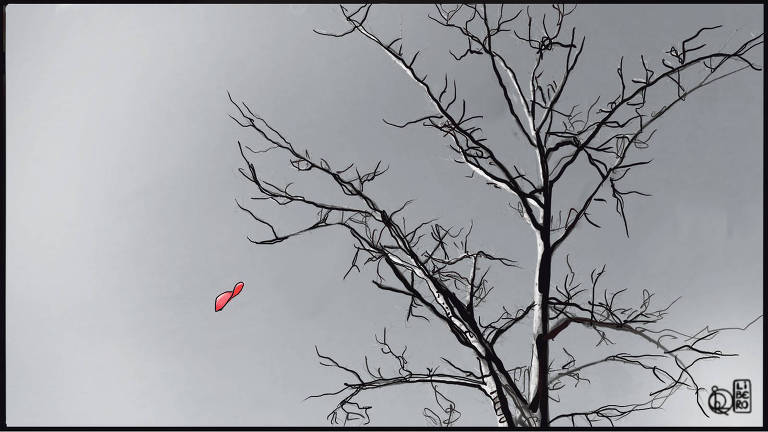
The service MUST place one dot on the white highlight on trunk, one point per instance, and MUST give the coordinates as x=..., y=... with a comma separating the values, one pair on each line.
x=537, y=312
x=520, y=96
x=490, y=388
x=506, y=188
x=482, y=173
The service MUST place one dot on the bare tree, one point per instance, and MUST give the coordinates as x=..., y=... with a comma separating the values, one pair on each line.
x=433, y=266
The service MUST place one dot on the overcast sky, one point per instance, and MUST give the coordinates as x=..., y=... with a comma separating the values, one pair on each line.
x=121, y=180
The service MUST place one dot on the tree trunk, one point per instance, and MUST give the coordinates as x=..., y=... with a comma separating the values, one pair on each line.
x=492, y=388
x=539, y=383
x=465, y=326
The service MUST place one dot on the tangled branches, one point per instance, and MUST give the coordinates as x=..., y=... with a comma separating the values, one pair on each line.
x=347, y=410
x=433, y=267
x=671, y=365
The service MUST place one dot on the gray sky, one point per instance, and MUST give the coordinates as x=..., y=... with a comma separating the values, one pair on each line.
x=122, y=226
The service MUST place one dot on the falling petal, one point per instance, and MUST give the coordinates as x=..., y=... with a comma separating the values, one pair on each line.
x=223, y=299
x=238, y=288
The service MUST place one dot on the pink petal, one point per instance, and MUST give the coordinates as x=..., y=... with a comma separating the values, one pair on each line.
x=238, y=288
x=223, y=299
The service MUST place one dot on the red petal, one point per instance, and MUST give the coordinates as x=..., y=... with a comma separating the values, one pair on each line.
x=222, y=300
x=238, y=288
